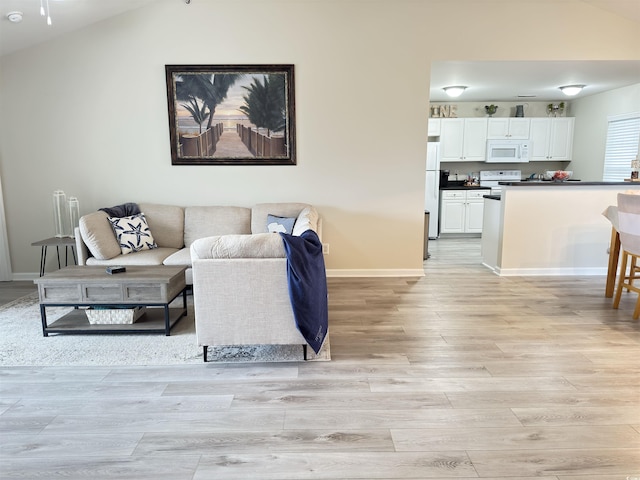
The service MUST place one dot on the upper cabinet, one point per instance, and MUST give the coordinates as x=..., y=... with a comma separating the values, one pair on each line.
x=512, y=128
x=551, y=138
x=463, y=139
x=433, y=129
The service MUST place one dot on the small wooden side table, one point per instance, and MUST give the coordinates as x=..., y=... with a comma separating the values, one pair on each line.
x=58, y=242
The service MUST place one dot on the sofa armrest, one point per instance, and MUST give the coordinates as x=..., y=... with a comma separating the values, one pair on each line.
x=82, y=252
x=259, y=245
x=319, y=228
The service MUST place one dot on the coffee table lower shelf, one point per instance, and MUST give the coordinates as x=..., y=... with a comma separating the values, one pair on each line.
x=155, y=320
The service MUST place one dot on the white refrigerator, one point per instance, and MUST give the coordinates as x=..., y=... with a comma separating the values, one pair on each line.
x=432, y=187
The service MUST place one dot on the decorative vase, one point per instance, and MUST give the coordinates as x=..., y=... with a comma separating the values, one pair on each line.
x=74, y=215
x=491, y=109
x=555, y=109
x=60, y=214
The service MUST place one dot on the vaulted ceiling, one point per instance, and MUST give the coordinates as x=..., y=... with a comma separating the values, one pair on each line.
x=503, y=81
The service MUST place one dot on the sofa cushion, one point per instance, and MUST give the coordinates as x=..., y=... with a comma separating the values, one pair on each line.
x=260, y=245
x=143, y=257
x=261, y=211
x=166, y=222
x=133, y=233
x=98, y=235
x=201, y=222
x=280, y=224
x=181, y=258
x=307, y=220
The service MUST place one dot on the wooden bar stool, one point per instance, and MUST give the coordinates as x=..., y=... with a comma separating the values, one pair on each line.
x=629, y=229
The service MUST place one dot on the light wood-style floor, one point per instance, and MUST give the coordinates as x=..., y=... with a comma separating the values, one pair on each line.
x=458, y=374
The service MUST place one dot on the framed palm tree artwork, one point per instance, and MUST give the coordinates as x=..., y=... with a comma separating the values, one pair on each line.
x=231, y=114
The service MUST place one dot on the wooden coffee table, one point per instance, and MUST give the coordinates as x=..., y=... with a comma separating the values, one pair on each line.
x=84, y=286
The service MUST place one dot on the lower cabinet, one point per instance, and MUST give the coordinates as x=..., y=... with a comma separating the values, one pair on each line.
x=461, y=211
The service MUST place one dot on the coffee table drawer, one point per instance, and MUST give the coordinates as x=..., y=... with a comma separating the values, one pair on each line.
x=142, y=292
x=59, y=293
x=101, y=293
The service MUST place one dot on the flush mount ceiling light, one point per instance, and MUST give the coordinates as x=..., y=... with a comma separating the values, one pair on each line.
x=42, y=12
x=571, y=90
x=14, y=17
x=454, y=91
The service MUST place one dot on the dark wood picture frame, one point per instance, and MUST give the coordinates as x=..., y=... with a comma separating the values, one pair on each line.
x=253, y=119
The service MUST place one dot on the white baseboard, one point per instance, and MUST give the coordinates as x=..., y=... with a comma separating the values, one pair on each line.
x=383, y=272
x=572, y=271
x=23, y=277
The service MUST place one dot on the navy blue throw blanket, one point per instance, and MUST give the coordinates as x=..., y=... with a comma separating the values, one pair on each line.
x=124, y=210
x=307, y=281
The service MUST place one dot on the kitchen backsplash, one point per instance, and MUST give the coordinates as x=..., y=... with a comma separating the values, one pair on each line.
x=465, y=169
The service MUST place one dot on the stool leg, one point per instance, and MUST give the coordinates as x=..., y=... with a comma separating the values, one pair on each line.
x=623, y=272
x=614, y=254
x=632, y=269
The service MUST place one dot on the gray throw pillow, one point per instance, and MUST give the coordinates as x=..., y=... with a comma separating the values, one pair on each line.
x=280, y=224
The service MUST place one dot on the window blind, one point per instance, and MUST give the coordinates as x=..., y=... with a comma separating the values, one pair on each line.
x=623, y=137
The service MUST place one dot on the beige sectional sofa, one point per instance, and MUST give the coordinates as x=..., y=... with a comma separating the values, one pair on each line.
x=175, y=228
x=238, y=269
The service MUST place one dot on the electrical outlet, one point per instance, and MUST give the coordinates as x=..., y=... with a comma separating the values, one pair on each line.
x=325, y=248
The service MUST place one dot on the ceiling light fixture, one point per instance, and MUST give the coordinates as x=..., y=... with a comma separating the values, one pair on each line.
x=42, y=12
x=454, y=91
x=571, y=90
x=14, y=17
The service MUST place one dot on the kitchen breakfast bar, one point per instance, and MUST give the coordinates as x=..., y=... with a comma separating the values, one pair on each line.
x=549, y=228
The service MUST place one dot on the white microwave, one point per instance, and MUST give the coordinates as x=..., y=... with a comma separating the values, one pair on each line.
x=508, y=151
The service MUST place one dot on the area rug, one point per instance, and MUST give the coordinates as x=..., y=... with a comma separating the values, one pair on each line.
x=22, y=343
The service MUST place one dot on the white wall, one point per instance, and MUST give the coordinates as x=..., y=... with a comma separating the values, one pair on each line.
x=5, y=264
x=590, y=137
x=87, y=113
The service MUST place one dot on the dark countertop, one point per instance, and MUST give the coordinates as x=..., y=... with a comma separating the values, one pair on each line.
x=463, y=187
x=492, y=197
x=570, y=183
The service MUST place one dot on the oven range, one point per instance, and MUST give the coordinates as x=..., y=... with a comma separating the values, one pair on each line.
x=491, y=179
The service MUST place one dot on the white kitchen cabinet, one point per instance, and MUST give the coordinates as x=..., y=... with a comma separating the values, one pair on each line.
x=551, y=138
x=475, y=211
x=461, y=211
x=452, y=211
x=511, y=128
x=433, y=128
x=451, y=137
x=463, y=139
